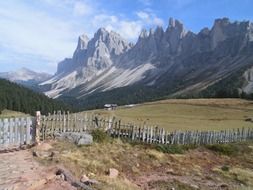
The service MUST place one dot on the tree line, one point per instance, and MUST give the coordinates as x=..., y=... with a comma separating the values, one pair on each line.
x=18, y=98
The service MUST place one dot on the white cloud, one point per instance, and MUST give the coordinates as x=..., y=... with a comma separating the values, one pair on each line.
x=25, y=31
x=126, y=28
x=142, y=15
x=149, y=18
x=158, y=21
x=46, y=31
x=81, y=9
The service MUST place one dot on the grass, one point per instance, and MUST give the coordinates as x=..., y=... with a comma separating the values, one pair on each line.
x=231, y=149
x=243, y=176
x=159, y=166
x=165, y=185
x=9, y=113
x=191, y=114
x=100, y=136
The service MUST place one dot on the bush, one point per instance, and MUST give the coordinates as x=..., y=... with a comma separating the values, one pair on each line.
x=225, y=168
x=171, y=149
x=100, y=136
x=225, y=149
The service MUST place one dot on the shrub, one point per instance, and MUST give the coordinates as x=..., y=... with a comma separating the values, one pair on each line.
x=171, y=149
x=100, y=136
x=226, y=149
x=225, y=168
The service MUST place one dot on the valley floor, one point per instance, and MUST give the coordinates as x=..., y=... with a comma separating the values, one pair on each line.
x=187, y=114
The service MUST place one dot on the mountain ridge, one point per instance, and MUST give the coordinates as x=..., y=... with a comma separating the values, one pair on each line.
x=175, y=60
x=25, y=76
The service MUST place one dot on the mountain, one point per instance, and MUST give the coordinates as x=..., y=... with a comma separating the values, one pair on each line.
x=25, y=77
x=18, y=98
x=174, y=62
x=91, y=59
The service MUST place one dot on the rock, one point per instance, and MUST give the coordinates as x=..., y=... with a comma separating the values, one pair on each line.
x=224, y=186
x=170, y=171
x=91, y=175
x=43, y=154
x=71, y=179
x=74, y=137
x=35, y=154
x=113, y=173
x=84, y=179
x=172, y=188
x=85, y=140
x=90, y=182
x=44, y=147
x=60, y=177
x=194, y=186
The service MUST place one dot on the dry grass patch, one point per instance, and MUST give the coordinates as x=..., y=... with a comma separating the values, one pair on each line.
x=145, y=166
x=9, y=113
x=190, y=114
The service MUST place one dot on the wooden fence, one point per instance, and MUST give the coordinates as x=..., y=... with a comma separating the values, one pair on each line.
x=160, y=136
x=65, y=122
x=15, y=132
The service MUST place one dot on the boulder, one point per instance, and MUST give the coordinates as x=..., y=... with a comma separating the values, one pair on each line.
x=84, y=179
x=78, y=138
x=194, y=186
x=44, y=146
x=224, y=186
x=113, y=173
x=43, y=154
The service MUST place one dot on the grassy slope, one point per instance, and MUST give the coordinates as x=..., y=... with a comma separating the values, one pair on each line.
x=190, y=114
x=144, y=167
x=8, y=113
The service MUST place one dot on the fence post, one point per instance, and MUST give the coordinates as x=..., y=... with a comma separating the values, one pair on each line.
x=11, y=131
x=28, y=130
x=5, y=131
x=64, y=122
x=37, y=127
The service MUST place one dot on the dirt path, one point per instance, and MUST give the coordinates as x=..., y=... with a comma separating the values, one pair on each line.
x=19, y=171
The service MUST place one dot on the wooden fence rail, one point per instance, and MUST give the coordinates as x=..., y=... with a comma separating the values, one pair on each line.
x=160, y=136
x=64, y=122
x=15, y=132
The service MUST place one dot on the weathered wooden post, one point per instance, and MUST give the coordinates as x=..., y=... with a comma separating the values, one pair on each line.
x=28, y=131
x=37, y=127
x=11, y=131
x=5, y=132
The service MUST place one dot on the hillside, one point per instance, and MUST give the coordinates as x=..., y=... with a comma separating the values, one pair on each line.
x=26, y=77
x=18, y=98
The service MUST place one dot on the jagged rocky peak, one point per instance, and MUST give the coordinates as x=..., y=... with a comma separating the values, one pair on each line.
x=223, y=29
x=101, y=34
x=217, y=33
x=144, y=33
x=82, y=41
x=204, y=32
x=221, y=21
x=112, y=40
x=159, y=30
x=174, y=34
x=175, y=24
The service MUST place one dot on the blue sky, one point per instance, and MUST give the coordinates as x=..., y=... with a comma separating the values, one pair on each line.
x=37, y=34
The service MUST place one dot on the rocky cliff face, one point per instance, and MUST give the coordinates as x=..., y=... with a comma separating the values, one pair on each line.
x=90, y=59
x=174, y=60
